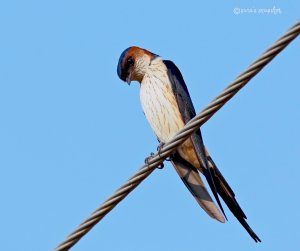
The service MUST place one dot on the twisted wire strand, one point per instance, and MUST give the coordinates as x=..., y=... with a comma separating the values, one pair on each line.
x=179, y=138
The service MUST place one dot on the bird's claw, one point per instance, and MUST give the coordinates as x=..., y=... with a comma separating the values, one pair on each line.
x=148, y=158
x=170, y=158
x=160, y=146
x=161, y=166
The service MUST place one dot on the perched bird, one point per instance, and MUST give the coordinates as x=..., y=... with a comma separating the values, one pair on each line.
x=168, y=107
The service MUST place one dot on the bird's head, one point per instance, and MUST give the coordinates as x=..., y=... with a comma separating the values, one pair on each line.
x=133, y=64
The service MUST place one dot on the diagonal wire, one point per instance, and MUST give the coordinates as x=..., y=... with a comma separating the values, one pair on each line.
x=179, y=138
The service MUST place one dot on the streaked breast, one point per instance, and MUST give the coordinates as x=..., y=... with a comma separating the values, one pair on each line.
x=159, y=103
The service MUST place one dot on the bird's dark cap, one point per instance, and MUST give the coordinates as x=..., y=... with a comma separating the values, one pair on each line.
x=120, y=64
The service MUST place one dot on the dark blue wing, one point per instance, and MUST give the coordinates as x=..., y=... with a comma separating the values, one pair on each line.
x=187, y=112
x=212, y=174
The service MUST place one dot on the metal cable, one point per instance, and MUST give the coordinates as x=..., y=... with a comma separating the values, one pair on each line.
x=179, y=138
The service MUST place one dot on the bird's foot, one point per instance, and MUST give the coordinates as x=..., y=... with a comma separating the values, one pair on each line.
x=148, y=158
x=170, y=158
x=160, y=146
x=161, y=166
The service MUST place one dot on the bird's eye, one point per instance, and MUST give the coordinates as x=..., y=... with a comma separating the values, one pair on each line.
x=130, y=61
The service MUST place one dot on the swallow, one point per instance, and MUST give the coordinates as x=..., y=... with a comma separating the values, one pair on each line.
x=167, y=105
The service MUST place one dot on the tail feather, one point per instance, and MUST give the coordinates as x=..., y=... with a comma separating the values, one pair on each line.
x=225, y=191
x=191, y=178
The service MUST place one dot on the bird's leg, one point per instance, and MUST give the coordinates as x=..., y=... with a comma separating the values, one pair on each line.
x=161, y=166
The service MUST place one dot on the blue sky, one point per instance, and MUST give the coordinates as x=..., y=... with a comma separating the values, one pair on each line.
x=71, y=132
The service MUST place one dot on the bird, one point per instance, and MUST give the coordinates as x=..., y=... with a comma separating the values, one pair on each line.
x=167, y=105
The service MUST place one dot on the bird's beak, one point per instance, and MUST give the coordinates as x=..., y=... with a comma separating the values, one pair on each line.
x=128, y=79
